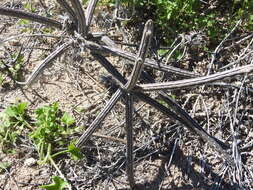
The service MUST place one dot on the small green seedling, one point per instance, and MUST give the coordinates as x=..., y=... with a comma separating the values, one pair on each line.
x=59, y=184
x=11, y=69
x=4, y=166
x=75, y=152
x=29, y=7
x=13, y=120
x=67, y=119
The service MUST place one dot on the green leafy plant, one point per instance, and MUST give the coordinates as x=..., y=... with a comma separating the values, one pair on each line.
x=13, y=120
x=28, y=6
x=243, y=9
x=11, y=69
x=52, y=129
x=4, y=166
x=19, y=60
x=49, y=136
x=23, y=22
x=173, y=17
x=58, y=184
x=74, y=152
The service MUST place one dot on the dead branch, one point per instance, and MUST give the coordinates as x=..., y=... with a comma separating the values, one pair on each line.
x=30, y=16
x=186, y=83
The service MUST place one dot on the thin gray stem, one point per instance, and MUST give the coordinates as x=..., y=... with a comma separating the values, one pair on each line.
x=79, y=12
x=89, y=12
x=30, y=16
x=197, y=81
x=217, y=49
x=45, y=63
x=68, y=9
x=129, y=131
x=141, y=55
x=101, y=116
x=95, y=47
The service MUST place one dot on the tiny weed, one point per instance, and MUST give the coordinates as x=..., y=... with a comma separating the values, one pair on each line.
x=11, y=69
x=58, y=184
x=4, y=166
x=28, y=6
x=12, y=122
x=18, y=60
x=23, y=22
x=47, y=30
x=52, y=129
x=75, y=152
x=1, y=79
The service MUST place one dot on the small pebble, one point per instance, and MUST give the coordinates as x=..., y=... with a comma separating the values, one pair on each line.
x=30, y=162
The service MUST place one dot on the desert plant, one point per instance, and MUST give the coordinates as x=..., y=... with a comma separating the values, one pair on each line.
x=77, y=27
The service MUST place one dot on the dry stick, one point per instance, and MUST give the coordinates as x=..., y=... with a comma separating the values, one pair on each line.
x=82, y=28
x=217, y=49
x=235, y=148
x=239, y=41
x=2, y=41
x=101, y=116
x=68, y=9
x=95, y=47
x=30, y=16
x=129, y=131
x=229, y=85
x=108, y=41
x=240, y=58
x=141, y=55
x=196, y=81
x=145, y=42
x=46, y=63
x=186, y=120
x=89, y=12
